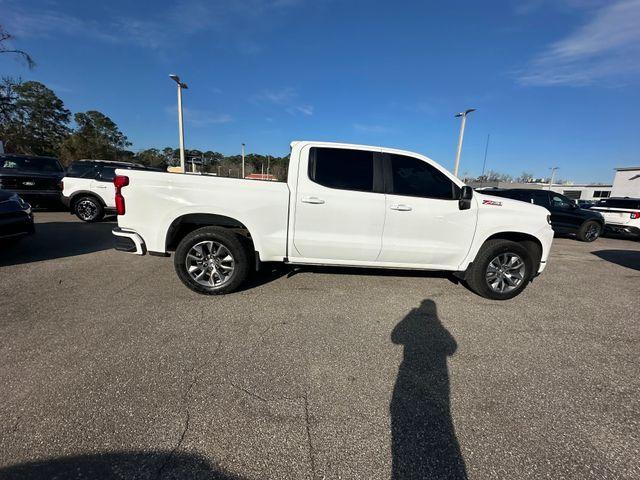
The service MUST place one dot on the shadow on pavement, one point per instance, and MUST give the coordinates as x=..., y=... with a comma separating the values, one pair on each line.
x=424, y=443
x=57, y=240
x=119, y=466
x=625, y=258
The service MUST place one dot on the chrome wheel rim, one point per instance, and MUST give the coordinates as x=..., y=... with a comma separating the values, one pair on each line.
x=505, y=272
x=210, y=263
x=87, y=210
x=592, y=233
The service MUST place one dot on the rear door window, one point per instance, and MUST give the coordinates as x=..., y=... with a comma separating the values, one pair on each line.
x=81, y=170
x=342, y=168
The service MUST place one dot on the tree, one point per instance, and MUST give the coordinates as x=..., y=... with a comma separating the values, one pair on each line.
x=5, y=38
x=33, y=120
x=525, y=177
x=96, y=136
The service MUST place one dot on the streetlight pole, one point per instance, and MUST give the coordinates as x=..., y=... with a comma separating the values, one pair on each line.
x=181, y=85
x=243, y=160
x=460, y=137
x=553, y=175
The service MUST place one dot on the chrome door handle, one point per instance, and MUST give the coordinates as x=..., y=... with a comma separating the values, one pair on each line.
x=101, y=186
x=314, y=200
x=401, y=208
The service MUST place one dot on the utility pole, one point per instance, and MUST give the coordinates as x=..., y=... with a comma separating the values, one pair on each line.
x=243, y=160
x=484, y=163
x=553, y=175
x=460, y=137
x=181, y=85
x=268, y=164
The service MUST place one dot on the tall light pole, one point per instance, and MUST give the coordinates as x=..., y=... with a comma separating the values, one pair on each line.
x=460, y=137
x=553, y=175
x=243, y=160
x=181, y=85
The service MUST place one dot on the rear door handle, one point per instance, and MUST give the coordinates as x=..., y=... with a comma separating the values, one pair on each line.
x=314, y=200
x=101, y=186
x=401, y=208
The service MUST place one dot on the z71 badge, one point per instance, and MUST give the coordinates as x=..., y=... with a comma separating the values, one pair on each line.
x=492, y=202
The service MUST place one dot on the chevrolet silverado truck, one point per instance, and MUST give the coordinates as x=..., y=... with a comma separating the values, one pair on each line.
x=342, y=205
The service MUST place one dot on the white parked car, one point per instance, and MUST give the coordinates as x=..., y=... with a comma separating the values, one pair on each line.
x=347, y=205
x=621, y=215
x=88, y=188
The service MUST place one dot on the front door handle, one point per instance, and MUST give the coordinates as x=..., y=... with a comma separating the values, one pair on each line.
x=401, y=208
x=314, y=200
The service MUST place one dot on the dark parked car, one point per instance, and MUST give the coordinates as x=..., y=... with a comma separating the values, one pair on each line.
x=35, y=179
x=16, y=219
x=566, y=216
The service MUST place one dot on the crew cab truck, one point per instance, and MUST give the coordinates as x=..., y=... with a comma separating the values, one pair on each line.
x=342, y=204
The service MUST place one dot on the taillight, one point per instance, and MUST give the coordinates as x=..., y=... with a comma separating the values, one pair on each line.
x=635, y=215
x=61, y=185
x=120, y=181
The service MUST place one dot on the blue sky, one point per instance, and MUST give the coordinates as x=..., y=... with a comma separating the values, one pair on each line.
x=555, y=82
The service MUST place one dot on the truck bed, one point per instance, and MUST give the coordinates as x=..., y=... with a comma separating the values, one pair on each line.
x=154, y=200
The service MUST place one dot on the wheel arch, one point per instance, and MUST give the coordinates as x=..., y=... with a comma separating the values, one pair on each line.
x=530, y=242
x=187, y=223
x=73, y=198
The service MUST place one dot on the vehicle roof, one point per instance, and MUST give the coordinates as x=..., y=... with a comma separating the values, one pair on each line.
x=109, y=162
x=20, y=155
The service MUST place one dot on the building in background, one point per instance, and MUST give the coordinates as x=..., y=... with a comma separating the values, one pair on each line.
x=626, y=183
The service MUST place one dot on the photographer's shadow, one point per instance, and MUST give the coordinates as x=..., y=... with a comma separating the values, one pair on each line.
x=424, y=440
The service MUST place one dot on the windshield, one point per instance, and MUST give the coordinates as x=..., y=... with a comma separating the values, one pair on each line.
x=31, y=164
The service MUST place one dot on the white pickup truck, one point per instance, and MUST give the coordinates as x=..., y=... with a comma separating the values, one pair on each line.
x=342, y=204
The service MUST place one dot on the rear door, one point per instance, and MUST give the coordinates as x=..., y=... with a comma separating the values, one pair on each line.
x=103, y=186
x=563, y=212
x=340, y=205
x=424, y=224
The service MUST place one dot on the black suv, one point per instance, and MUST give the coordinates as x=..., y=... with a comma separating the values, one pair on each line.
x=566, y=216
x=36, y=179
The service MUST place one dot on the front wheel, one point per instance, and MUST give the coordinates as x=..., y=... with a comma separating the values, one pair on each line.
x=212, y=260
x=502, y=269
x=589, y=231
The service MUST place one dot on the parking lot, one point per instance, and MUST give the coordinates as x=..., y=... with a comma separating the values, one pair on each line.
x=111, y=368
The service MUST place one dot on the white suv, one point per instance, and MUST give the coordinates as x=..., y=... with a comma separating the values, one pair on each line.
x=88, y=188
x=621, y=215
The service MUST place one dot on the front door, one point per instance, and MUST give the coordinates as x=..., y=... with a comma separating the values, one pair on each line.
x=424, y=224
x=340, y=206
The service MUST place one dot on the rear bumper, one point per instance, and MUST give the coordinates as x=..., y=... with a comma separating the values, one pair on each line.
x=546, y=239
x=128, y=241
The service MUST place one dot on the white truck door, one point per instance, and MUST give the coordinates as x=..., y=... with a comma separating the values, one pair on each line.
x=103, y=186
x=424, y=224
x=339, y=205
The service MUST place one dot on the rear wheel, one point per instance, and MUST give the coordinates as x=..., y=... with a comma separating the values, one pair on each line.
x=88, y=209
x=589, y=231
x=212, y=260
x=502, y=269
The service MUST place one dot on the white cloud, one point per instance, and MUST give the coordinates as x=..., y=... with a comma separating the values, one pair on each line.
x=605, y=49
x=199, y=118
x=161, y=28
x=286, y=98
x=365, y=128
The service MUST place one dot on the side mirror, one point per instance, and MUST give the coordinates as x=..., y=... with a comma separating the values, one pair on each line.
x=466, y=194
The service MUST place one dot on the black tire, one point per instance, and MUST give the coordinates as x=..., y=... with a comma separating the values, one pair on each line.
x=590, y=231
x=88, y=209
x=476, y=276
x=232, y=242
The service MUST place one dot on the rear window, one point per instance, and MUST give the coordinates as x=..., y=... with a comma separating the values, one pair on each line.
x=628, y=203
x=342, y=168
x=30, y=164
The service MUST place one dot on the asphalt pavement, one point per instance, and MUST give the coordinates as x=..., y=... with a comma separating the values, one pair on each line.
x=111, y=368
